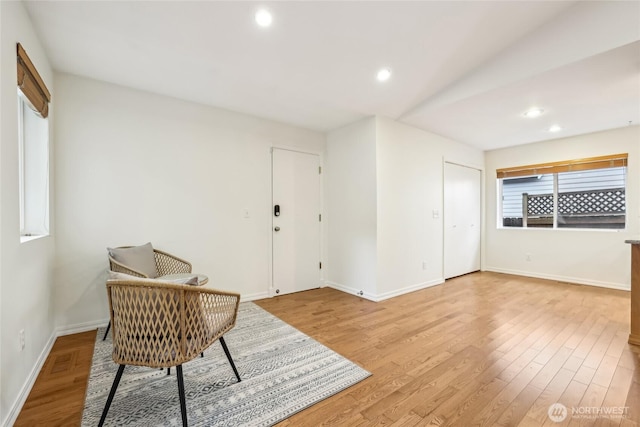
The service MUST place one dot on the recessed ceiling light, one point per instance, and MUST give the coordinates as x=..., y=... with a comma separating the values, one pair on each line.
x=555, y=128
x=533, y=112
x=384, y=74
x=264, y=18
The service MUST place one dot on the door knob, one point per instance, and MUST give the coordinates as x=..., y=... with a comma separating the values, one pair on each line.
x=277, y=229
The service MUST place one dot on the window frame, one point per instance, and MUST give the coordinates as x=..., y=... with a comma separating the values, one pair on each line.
x=28, y=231
x=554, y=169
x=32, y=165
x=21, y=168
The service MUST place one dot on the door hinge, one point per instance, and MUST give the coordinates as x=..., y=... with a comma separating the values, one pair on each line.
x=320, y=265
x=320, y=217
x=319, y=169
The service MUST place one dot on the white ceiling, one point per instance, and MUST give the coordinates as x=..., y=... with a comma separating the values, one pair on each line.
x=463, y=69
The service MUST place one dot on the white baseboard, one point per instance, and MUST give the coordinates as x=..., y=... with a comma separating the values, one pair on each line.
x=576, y=280
x=81, y=327
x=349, y=290
x=409, y=289
x=385, y=295
x=28, y=384
x=253, y=297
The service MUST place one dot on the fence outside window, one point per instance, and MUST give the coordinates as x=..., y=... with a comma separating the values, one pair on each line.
x=590, y=198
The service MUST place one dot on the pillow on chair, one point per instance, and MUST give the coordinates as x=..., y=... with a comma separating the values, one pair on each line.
x=139, y=258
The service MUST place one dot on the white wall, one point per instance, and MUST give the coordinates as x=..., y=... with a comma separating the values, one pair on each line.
x=597, y=257
x=350, y=194
x=133, y=167
x=26, y=270
x=2, y=411
x=410, y=187
x=383, y=181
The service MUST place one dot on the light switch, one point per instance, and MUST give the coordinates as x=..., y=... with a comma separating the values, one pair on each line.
x=436, y=213
x=245, y=213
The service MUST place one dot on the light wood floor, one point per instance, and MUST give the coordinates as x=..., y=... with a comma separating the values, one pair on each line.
x=483, y=349
x=57, y=397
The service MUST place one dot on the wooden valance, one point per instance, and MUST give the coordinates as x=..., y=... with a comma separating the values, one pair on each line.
x=602, y=162
x=31, y=84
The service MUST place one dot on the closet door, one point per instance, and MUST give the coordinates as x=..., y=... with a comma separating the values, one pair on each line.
x=462, y=216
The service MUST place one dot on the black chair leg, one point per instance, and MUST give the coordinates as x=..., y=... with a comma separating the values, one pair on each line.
x=107, y=331
x=112, y=393
x=183, y=403
x=169, y=369
x=226, y=351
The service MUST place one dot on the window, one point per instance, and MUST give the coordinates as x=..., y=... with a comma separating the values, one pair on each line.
x=33, y=170
x=33, y=149
x=585, y=193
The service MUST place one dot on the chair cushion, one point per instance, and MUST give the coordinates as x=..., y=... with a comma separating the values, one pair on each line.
x=183, y=279
x=191, y=280
x=116, y=275
x=139, y=258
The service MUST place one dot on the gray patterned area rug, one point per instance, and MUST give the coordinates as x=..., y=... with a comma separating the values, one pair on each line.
x=283, y=371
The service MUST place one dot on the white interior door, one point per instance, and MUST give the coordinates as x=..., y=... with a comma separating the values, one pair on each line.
x=462, y=215
x=296, y=221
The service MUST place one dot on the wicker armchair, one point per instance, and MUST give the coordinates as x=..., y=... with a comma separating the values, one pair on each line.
x=165, y=264
x=160, y=325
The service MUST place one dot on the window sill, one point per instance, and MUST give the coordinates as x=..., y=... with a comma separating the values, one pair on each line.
x=568, y=229
x=24, y=239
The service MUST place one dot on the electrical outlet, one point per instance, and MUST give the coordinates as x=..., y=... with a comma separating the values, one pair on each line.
x=528, y=257
x=424, y=265
x=21, y=337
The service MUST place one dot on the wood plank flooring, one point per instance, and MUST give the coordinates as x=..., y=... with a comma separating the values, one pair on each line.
x=57, y=397
x=484, y=349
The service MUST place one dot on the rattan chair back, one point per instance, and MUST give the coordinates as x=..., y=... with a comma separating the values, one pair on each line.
x=159, y=324
x=165, y=264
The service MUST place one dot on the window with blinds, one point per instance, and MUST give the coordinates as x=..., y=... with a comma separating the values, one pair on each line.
x=33, y=149
x=584, y=193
